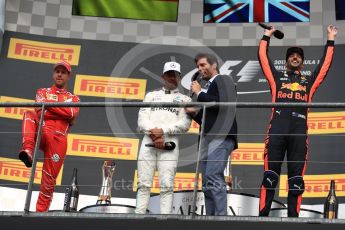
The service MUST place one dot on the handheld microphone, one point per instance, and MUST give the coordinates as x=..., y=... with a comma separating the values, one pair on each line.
x=194, y=78
x=277, y=33
x=167, y=145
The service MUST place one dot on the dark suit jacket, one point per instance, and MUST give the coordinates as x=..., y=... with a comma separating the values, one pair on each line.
x=220, y=121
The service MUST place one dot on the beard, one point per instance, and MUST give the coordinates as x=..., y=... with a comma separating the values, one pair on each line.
x=298, y=67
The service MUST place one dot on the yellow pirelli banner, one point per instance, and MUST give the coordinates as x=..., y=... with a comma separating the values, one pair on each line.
x=248, y=154
x=318, y=123
x=194, y=127
x=43, y=52
x=316, y=185
x=111, y=87
x=15, y=170
x=103, y=147
x=182, y=182
x=326, y=122
x=13, y=112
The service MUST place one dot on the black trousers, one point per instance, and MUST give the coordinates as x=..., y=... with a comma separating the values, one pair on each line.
x=287, y=134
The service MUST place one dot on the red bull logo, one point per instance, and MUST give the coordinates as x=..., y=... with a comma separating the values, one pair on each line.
x=292, y=95
x=295, y=93
x=294, y=87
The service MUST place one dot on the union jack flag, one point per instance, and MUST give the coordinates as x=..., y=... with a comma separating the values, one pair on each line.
x=340, y=9
x=256, y=11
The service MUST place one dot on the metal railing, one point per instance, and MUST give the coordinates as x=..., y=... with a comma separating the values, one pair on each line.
x=202, y=105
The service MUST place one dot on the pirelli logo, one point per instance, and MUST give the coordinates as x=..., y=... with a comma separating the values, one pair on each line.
x=15, y=170
x=43, y=52
x=111, y=87
x=248, y=154
x=318, y=123
x=326, y=122
x=182, y=182
x=103, y=147
x=194, y=127
x=316, y=185
x=15, y=112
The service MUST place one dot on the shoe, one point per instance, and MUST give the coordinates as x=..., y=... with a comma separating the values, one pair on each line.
x=25, y=156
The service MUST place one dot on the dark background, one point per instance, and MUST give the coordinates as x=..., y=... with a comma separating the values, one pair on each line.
x=21, y=78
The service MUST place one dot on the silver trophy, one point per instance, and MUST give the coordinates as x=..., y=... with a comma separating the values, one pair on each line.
x=108, y=170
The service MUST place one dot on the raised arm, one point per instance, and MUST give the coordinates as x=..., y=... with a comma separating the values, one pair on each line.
x=324, y=65
x=264, y=60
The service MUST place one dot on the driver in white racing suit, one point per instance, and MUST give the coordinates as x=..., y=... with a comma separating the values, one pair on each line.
x=161, y=125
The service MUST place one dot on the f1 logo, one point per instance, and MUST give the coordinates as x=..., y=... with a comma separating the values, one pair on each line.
x=248, y=72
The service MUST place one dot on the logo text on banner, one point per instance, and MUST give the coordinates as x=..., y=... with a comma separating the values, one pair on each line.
x=248, y=154
x=182, y=182
x=316, y=185
x=326, y=122
x=15, y=170
x=103, y=147
x=13, y=112
x=111, y=87
x=318, y=123
x=43, y=52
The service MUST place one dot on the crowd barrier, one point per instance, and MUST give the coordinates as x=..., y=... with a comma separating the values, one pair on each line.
x=193, y=197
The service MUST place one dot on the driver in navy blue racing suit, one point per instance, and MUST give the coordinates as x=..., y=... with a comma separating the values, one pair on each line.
x=287, y=131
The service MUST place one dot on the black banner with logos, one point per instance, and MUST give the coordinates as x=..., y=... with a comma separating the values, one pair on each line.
x=26, y=66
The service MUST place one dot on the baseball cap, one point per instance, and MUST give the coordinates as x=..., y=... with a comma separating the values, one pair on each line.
x=294, y=49
x=64, y=64
x=169, y=66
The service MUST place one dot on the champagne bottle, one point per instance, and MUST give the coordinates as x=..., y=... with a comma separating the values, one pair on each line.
x=331, y=203
x=72, y=194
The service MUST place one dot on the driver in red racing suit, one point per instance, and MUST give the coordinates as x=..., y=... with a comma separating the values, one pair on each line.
x=57, y=121
x=289, y=86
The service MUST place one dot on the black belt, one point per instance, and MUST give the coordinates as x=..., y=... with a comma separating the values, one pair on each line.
x=294, y=114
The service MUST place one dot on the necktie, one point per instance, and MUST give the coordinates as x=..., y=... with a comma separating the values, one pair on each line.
x=207, y=85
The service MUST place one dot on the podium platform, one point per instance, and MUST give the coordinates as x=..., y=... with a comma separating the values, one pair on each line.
x=111, y=208
x=304, y=213
x=239, y=204
x=66, y=220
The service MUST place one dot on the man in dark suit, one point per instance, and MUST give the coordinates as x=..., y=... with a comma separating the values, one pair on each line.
x=220, y=132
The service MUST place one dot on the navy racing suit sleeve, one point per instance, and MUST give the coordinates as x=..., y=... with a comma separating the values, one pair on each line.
x=267, y=66
x=322, y=68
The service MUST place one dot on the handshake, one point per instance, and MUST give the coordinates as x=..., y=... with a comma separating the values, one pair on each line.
x=156, y=134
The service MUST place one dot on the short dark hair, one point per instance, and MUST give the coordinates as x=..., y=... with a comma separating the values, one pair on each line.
x=294, y=49
x=212, y=59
